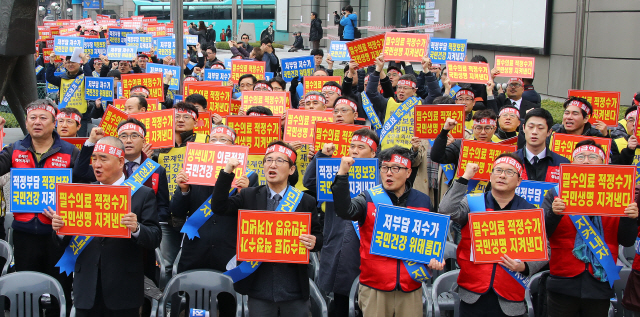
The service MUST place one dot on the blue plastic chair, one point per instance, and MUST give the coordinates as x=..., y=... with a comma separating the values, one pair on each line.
x=24, y=290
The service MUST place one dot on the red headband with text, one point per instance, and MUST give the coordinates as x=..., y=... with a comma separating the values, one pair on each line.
x=189, y=112
x=462, y=92
x=332, y=88
x=406, y=82
x=372, y=144
x=72, y=116
x=580, y=105
x=224, y=130
x=509, y=110
x=108, y=149
x=347, y=102
x=590, y=148
x=131, y=126
x=315, y=98
x=395, y=158
x=632, y=114
x=140, y=90
x=488, y=121
x=511, y=161
x=281, y=149
x=47, y=108
x=262, y=86
x=517, y=80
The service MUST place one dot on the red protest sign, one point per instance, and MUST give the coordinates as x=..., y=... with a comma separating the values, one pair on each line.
x=271, y=236
x=44, y=32
x=153, y=104
x=153, y=81
x=160, y=127
x=255, y=132
x=234, y=108
x=110, y=120
x=46, y=54
x=240, y=67
x=606, y=105
x=465, y=72
x=510, y=141
x=78, y=142
x=276, y=101
x=519, y=234
x=301, y=124
x=515, y=66
x=564, y=144
x=188, y=83
x=365, y=51
x=315, y=83
x=408, y=47
x=203, y=125
x=93, y=210
x=430, y=119
x=483, y=154
x=203, y=161
x=597, y=190
x=218, y=97
x=337, y=133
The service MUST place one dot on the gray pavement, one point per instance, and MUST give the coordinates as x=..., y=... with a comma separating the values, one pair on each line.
x=12, y=135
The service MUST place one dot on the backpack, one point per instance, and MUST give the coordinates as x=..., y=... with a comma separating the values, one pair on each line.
x=356, y=32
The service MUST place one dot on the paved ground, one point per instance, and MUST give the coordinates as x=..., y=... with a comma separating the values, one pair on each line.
x=12, y=135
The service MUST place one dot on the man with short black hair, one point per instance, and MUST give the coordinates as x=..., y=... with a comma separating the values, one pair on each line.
x=513, y=97
x=211, y=58
x=198, y=100
x=315, y=31
x=269, y=56
x=135, y=104
x=68, y=122
x=350, y=23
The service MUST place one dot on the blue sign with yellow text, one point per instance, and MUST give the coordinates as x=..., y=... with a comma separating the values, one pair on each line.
x=119, y=52
x=65, y=45
x=143, y=42
x=167, y=47
x=166, y=69
x=339, y=51
x=118, y=36
x=297, y=67
x=34, y=189
x=217, y=74
x=98, y=87
x=363, y=175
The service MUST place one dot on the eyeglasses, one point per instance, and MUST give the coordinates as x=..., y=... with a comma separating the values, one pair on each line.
x=247, y=85
x=245, y=38
x=185, y=117
x=329, y=93
x=498, y=171
x=394, y=169
x=278, y=161
x=223, y=140
x=515, y=85
x=132, y=136
x=393, y=74
x=342, y=111
x=464, y=99
x=509, y=115
x=404, y=88
x=592, y=158
x=487, y=128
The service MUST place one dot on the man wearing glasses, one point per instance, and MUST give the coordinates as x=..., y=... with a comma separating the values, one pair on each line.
x=513, y=97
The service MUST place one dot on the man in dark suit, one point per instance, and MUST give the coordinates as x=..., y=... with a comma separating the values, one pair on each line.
x=273, y=286
x=108, y=274
x=515, y=88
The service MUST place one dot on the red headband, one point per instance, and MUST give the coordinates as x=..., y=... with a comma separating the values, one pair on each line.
x=262, y=86
x=407, y=82
x=131, y=126
x=509, y=110
x=108, y=149
x=580, y=105
x=257, y=114
x=516, y=79
x=315, y=97
x=187, y=111
x=224, y=130
x=281, y=149
x=217, y=66
x=72, y=116
x=591, y=148
x=361, y=138
x=485, y=121
x=511, y=161
x=140, y=89
x=47, y=108
x=395, y=158
x=465, y=92
x=332, y=88
x=348, y=103
x=633, y=114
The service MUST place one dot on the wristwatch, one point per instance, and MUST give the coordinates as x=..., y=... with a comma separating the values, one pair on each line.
x=137, y=228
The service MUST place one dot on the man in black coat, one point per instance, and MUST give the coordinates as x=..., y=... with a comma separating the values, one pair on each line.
x=515, y=88
x=315, y=32
x=109, y=274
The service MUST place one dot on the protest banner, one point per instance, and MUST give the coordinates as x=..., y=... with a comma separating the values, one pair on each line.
x=533, y=192
x=227, y=63
x=65, y=45
x=158, y=29
x=564, y=144
x=203, y=162
x=130, y=24
x=274, y=100
x=363, y=175
x=149, y=20
x=218, y=97
x=240, y=67
x=409, y=234
x=429, y=120
x=483, y=154
x=191, y=39
x=337, y=133
x=301, y=124
x=98, y=87
x=443, y=50
x=44, y=32
x=78, y=142
x=166, y=46
x=515, y=66
x=519, y=234
x=166, y=69
x=118, y=36
x=297, y=67
x=467, y=72
x=143, y=42
x=255, y=132
x=221, y=75
x=272, y=236
x=93, y=210
x=46, y=54
x=339, y=51
x=408, y=47
x=254, y=163
x=110, y=119
x=203, y=124
x=234, y=107
x=365, y=51
x=121, y=52
x=606, y=105
x=160, y=127
x=95, y=47
x=315, y=83
x=34, y=189
x=597, y=190
x=153, y=82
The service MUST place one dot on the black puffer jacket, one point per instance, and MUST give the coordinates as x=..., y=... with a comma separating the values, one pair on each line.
x=316, y=32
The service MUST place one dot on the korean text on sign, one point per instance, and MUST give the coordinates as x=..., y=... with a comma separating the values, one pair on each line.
x=110, y=120
x=515, y=66
x=533, y=192
x=255, y=132
x=276, y=101
x=297, y=67
x=143, y=42
x=315, y=83
x=409, y=47
x=203, y=162
x=365, y=51
x=301, y=124
x=363, y=174
x=409, y=234
x=606, y=105
x=118, y=52
x=429, y=120
x=339, y=51
x=164, y=70
x=95, y=47
x=223, y=75
x=152, y=81
x=443, y=50
x=520, y=234
x=160, y=127
x=34, y=189
x=270, y=236
x=466, y=72
x=600, y=190
x=93, y=210
x=337, y=133
x=118, y=36
x=77, y=142
x=167, y=47
x=218, y=97
x=241, y=67
x=65, y=45
x=96, y=87
x=203, y=125
x=564, y=144
x=483, y=154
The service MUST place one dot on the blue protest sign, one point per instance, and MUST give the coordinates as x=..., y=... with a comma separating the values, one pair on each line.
x=268, y=75
x=217, y=74
x=409, y=234
x=177, y=98
x=98, y=87
x=167, y=47
x=51, y=88
x=297, y=67
x=227, y=63
x=443, y=50
x=119, y=52
x=118, y=36
x=533, y=192
x=363, y=175
x=339, y=51
x=166, y=69
x=143, y=42
x=119, y=89
x=65, y=45
x=34, y=189
x=95, y=47
x=191, y=39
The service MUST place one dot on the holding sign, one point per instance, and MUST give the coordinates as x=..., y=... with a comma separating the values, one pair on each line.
x=482, y=153
x=443, y=50
x=110, y=120
x=363, y=175
x=365, y=51
x=255, y=132
x=223, y=75
x=315, y=83
x=240, y=67
x=218, y=97
x=301, y=124
x=153, y=82
x=276, y=101
x=160, y=127
x=606, y=105
x=564, y=144
x=339, y=51
x=533, y=192
x=65, y=45
x=337, y=133
x=95, y=47
x=166, y=69
x=96, y=87
x=203, y=162
x=464, y=72
x=118, y=36
x=297, y=67
x=408, y=47
x=121, y=52
x=34, y=189
x=429, y=120
x=143, y=42
x=514, y=66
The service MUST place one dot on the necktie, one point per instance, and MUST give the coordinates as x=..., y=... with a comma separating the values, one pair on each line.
x=274, y=202
x=514, y=104
x=535, y=160
x=130, y=166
